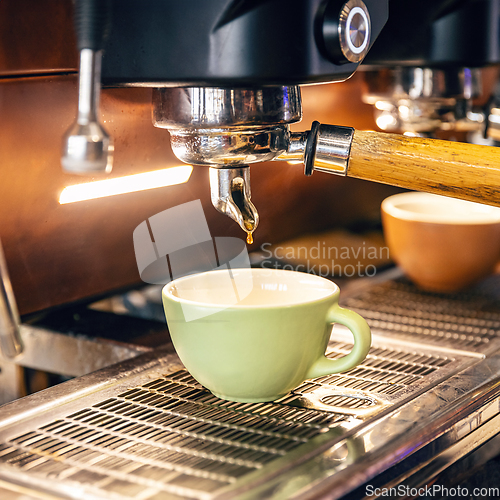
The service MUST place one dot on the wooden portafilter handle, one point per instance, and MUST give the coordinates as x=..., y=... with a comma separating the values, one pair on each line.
x=455, y=169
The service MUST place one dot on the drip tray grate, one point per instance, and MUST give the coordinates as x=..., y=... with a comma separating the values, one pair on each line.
x=170, y=437
x=167, y=437
x=469, y=321
x=384, y=374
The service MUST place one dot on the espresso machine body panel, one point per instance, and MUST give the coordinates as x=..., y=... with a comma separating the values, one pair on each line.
x=226, y=43
x=450, y=33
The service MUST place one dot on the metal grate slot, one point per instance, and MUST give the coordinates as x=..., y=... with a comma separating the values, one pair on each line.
x=348, y=401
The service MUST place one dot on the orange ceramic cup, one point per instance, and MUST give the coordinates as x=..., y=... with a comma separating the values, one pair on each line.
x=442, y=244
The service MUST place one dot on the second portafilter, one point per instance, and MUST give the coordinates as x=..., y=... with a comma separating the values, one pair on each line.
x=422, y=101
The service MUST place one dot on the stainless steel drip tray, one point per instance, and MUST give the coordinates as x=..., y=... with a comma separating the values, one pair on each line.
x=144, y=429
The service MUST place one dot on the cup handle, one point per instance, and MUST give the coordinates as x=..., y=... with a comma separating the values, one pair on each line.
x=362, y=342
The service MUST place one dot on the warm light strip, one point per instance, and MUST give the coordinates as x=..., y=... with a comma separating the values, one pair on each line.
x=128, y=184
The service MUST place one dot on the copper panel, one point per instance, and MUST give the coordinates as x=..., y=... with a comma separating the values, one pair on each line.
x=37, y=37
x=58, y=253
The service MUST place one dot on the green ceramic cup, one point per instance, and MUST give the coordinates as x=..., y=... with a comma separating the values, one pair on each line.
x=253, y=335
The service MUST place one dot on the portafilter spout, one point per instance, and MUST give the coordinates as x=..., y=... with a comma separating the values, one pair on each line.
x=227, y=130
x=230, y=193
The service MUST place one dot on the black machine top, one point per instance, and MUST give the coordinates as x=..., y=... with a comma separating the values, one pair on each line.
x=228, y=43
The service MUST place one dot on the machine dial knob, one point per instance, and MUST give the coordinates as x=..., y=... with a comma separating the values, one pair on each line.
x=346, y=31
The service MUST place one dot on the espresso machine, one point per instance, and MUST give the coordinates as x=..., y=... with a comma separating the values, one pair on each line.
x=226, y=79
x=228, y=103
